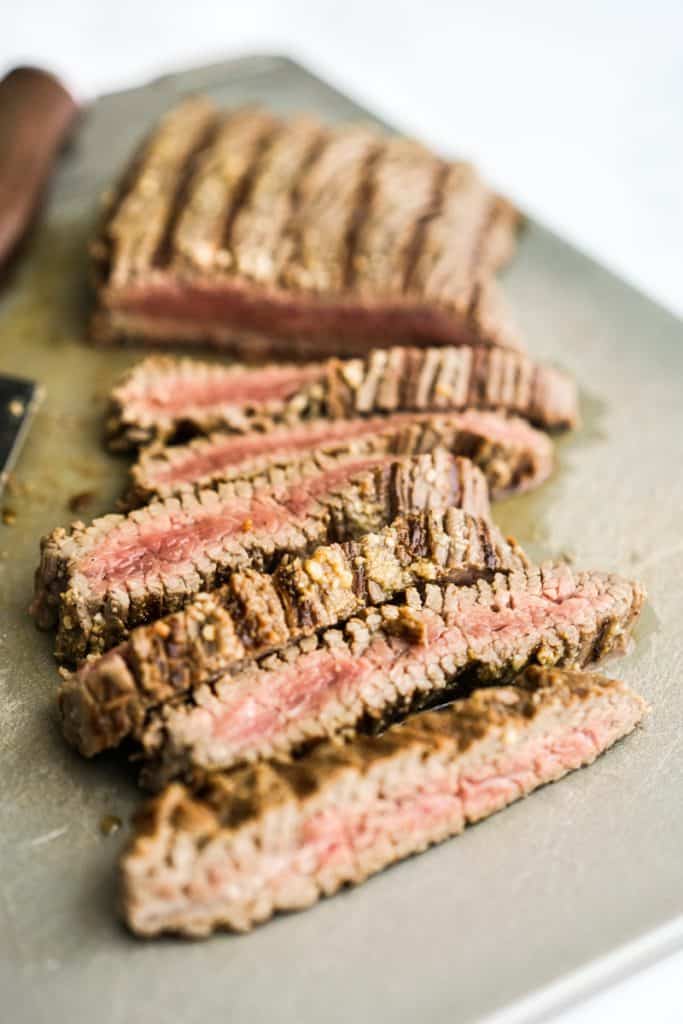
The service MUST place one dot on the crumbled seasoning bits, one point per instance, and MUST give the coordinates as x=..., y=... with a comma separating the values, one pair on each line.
x=9, y=516
x=79, y=502
x=110, y=824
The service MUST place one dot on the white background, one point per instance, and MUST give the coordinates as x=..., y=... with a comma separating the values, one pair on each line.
x=574, y=109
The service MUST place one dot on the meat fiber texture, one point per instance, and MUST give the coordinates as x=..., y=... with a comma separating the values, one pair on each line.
x=512, y=455
x=278, y=837
x=109, y=698
x=169, y=399
x=386, y=661
x=266, y=236
x=97, y=582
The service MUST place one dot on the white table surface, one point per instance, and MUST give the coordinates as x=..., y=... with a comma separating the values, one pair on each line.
x=574, y=110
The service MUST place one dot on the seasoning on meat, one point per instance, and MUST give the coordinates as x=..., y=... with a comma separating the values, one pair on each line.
x=275, y=837
x=99, y=581
x=165, y=399
x=288, y=237
x=513, y=456
x=387, y=661
x=252, y=614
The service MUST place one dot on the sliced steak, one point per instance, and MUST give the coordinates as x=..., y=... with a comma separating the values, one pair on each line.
x=98, y=581
x=287, y=237
x=511, y=454
x=253, y=613
x=273, y=837
x=389, y=660
x=166, y=399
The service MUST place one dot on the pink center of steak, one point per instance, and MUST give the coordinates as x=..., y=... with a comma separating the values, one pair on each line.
x=337, y=843
x=178, y=394
x=333, y=834
x=230, y=450
x=233, y=449
x=261, y=707
x=174, y=539
x=238, y=303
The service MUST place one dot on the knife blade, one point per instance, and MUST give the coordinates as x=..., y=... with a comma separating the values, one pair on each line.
x=19, y=399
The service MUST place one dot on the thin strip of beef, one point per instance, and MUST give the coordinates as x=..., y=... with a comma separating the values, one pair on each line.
x=254, y=613
x=164, y=399
x=273, y=837
x=513, y=456
x=388, y=660
x=288, y=238
x=98, y=581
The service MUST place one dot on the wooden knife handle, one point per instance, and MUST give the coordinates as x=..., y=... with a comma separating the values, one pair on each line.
x=36, y=113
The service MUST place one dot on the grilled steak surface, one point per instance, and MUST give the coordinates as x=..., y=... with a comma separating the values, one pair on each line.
x=108, y=698
x=389, y=660
x=163, y=398
x=98, y=581
x=287, y=237
x=279, y=836
x=511, y=454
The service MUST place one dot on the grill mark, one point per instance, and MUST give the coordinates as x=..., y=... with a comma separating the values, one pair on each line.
x=243, y=189
x=434, y=208
x=164, y=252
x=315, y=151
x=359, y=213
x=289, y=226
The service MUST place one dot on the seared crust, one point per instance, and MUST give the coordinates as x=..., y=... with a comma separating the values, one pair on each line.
x=99, y=581
x=513, y=456
x=386, y=661
x=278, y=220
x=160, y=397
x=254, y=613
x=244, y=845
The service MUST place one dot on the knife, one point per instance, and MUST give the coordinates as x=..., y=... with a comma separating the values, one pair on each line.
x=37, y=114
x=19, y=399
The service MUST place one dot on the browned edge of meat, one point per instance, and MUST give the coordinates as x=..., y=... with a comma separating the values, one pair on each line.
x=277, y=837
x=109, y=697
x=388, y=661
x=512, y=455
x=168, y=399
x=99, y=581
x=286, y=237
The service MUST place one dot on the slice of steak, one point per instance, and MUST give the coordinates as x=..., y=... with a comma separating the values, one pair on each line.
x=98, y=581
x=274, y=837
x=289, y=238
x=254, y=613
x=389, y=660
x=166, y=399
x=513, y=456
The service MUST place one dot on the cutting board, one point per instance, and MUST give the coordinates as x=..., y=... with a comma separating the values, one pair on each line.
x=527, y=911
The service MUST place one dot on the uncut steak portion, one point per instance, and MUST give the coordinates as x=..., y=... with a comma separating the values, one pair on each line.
x=98, y=581
x=288, y=237
x=254, y=613
x=167, y=399
x=272, y=837
x=389, y=660
x=513, y=456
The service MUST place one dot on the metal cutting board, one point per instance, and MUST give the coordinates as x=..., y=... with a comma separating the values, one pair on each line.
x=539, y=904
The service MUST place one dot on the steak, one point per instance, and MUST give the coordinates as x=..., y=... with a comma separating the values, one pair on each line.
x=275, y=837
x=388, y=660
x=287, y=237
x=98, y=581
x=167, y=399
x=254, y=613
x=511, y=454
